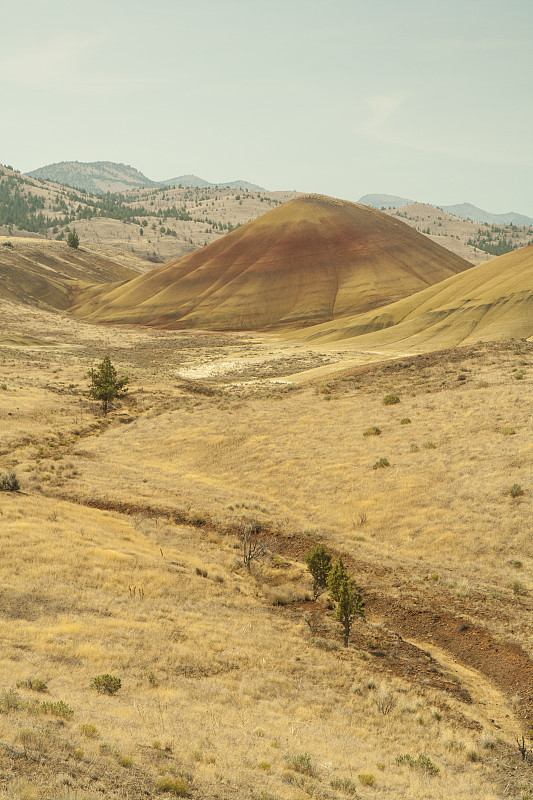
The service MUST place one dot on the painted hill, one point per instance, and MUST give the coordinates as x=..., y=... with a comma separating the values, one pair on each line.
x=95, y=177
x=314, y=258
x=488, y=302
x=468, y=211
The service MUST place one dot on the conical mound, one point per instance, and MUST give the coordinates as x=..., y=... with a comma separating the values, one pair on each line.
x=491, y=301
x=312, y=259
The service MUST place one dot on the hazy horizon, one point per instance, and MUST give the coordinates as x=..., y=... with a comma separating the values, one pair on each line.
x=346, y=100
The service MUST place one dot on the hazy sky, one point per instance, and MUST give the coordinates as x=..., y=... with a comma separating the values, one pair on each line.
x=427, y=100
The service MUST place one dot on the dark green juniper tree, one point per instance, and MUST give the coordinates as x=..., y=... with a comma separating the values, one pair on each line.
x=350, y=604
x=342, y=587
x=338, y=574
x=345, y=592
x=318, y=562
x=73, y=240
x=105, y=385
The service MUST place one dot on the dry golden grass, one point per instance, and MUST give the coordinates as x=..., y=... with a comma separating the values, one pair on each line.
x=214, y=684
x=220, y=683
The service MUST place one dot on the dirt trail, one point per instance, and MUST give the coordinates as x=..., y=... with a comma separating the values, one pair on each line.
x=490, y=707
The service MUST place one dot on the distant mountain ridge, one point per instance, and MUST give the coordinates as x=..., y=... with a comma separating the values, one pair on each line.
x=462, y=210
x=100, y=177
x=96, y=177
x=200, y=183
x=469, y=211
x=380, y=201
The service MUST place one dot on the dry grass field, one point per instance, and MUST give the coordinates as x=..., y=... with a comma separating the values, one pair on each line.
x=122, y=555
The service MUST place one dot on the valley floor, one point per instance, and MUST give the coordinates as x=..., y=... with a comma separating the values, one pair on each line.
x=122, y=555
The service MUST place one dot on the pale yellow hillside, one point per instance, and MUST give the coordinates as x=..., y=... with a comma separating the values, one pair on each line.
x=488, y=302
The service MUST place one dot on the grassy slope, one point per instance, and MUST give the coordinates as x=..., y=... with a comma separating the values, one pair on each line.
x=311, y=259
x=44, y=271
x=232, y=684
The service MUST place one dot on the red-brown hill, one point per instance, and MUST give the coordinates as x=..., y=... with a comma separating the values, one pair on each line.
x=310, y=260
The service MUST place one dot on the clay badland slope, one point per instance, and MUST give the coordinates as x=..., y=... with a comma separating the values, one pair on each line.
x=488, y=302
x=313, y=259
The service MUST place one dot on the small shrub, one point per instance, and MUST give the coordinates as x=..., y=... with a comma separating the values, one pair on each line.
x=344, y=785
x=324, y=644
x=176, y=786
x=151, y=677
x=32, y=739
x=487, y=741
x=34, y=684
x=90, y=731
x=126, y=762
x=507, y=430
x=425, y=763
x=9, y=482
x=516, y=490
x=518, y=588
x=366, y=779
x=106, y=684
x=405, y=421
x=422, y=761
x=197, y=520
x=373, y=431
x=429, y=445
x=386, y=702
x=391, y=399
x=265, y=766
x=300, y=763
x=291, y=779
x=383, y=462
x=9, y=701
x=57, y=709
